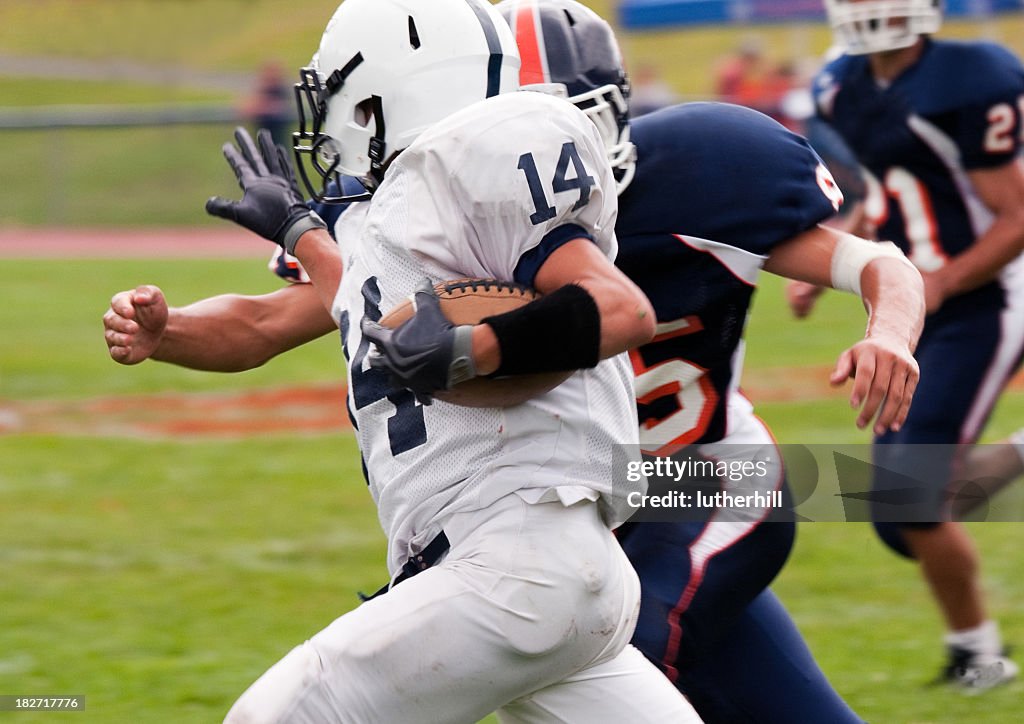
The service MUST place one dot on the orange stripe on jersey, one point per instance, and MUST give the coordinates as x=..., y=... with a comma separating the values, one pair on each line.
x=532, y=69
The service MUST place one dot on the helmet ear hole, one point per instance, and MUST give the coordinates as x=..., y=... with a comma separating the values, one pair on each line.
x=414, y=35
x=363, y=112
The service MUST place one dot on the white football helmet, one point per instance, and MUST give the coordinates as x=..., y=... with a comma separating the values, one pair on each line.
x=874, y=26
x=386, y=71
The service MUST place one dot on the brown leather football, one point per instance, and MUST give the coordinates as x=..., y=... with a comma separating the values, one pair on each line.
x=467, y=301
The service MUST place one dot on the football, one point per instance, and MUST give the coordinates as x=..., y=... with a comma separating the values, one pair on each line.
x=467, y=301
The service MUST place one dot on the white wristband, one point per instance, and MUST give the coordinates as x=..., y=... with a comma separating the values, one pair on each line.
x=852, y=254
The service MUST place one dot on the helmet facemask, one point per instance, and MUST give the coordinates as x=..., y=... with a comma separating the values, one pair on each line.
x=314, y=148
x=608, y=108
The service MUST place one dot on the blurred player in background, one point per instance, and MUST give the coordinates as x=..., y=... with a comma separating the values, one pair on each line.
x=509, y=590
x=937, y=126
x=269, y=104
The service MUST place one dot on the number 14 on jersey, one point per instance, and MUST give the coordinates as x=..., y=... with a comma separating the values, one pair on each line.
x=560, y=182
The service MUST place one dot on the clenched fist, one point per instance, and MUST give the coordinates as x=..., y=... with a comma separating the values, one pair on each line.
x=135, y=323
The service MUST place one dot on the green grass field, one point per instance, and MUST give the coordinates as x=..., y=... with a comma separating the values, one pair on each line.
x=160, y=577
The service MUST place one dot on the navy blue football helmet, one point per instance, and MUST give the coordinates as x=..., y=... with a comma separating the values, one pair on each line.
x=564, y=43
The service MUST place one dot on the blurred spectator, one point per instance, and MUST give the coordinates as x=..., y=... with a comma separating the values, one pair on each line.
x=776, y=99
x=747, y=78
x=270, y=104
x=649, y=92
x=739, y=77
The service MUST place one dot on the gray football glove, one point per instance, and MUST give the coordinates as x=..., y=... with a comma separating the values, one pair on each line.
x=271, y=204
x=426, y=353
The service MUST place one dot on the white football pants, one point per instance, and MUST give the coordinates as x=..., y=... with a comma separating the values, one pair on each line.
x=530, y=613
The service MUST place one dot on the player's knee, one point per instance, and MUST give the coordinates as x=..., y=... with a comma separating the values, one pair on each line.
x=892, y=535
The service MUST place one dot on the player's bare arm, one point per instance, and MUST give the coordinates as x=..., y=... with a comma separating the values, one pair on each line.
x=802, y=296
x=226, y=333
x=231, y=333
x=882, y=364
x=1002, y=191
x=319, y=255
x=626, y=317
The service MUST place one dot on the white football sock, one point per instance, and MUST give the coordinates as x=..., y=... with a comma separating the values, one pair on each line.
x=982, y=639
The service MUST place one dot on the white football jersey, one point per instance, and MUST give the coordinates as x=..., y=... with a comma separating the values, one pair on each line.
x=469, y=198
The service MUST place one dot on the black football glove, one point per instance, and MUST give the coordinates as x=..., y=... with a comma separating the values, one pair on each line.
x=271, y=204
x=426, y=353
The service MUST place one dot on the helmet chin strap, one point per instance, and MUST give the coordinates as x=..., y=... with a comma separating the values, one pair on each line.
x=378, y=148
x=336, y=79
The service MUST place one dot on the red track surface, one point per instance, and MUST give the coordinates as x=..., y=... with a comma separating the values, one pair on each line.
x=199, y=242
x=302, y=410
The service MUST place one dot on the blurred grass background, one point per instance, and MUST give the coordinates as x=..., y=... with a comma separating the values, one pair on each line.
x=160, y=577
x=155, y=177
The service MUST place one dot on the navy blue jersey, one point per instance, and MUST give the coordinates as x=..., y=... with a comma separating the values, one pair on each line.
x=956, y=110
x=694, y=228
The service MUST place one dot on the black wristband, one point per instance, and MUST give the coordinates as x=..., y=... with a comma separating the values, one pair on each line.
x=558, y=332
x=296, y=225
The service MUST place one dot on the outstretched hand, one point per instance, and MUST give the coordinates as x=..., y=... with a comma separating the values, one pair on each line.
x=426, y=353
x=885, y=375
x=271, y=203
x=135, y=323
x=802, y=296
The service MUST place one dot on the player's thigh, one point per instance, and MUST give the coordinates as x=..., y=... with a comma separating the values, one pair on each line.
x=914, y=465
x=430, y=650
x=569, y=593
x=529, y=595
x=625, y=689
x=695, y=579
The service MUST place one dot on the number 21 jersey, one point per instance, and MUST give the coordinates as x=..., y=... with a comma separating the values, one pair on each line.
x=957, y=109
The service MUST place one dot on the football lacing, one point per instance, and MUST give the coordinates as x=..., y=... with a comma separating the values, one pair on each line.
x=486, y=284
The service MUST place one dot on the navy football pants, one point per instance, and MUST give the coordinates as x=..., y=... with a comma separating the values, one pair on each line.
x=966, y=361
x=708, y=621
